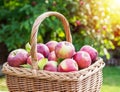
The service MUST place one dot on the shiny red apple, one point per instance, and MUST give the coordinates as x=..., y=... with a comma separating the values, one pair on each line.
x=64, y=50
x=68, y=65
x=43, y=49
x=17, y=57
x=51, y=66
x=83, y=59
x=92, y=52
x=51, y=45
x=52, y=56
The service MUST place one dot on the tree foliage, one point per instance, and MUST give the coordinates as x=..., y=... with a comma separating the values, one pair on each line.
x=91, y=22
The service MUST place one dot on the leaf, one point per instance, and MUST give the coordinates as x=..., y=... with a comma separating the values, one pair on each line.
x=60, y=60
x=106, y=53
x=28, y=47
x=26, y=66
x=42, y=62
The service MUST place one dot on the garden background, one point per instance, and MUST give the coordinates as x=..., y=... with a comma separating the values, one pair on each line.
x=92, y=22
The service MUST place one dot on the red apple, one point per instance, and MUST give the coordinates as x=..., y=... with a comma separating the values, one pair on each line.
x=78, y=23
x=43, y=49
x=68, y=65
x=52, y=56
x=104, y=27
x=17, y=57
x=83, y=59
x=51, y=66
x=64, y=49
x=39, y=56
x=51, y=45
x=82, y=2
x=92, y=51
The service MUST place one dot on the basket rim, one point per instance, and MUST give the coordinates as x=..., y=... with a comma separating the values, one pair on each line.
x=64, y=76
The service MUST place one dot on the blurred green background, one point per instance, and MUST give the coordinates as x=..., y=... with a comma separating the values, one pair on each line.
x=92, y=22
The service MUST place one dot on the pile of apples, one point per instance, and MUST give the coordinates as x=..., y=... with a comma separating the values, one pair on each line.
x=55, y=56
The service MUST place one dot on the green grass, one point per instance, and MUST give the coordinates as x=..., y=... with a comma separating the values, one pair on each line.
x=111, y=80
x=3, y=86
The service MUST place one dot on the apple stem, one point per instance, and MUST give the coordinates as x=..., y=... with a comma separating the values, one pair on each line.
x=14, y=53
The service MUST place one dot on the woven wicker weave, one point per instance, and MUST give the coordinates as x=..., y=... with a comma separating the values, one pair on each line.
x=34, y=80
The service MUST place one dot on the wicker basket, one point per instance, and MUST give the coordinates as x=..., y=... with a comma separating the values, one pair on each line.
x=34, y=80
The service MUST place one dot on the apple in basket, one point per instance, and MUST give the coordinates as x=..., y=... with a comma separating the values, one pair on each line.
x=67, y=65
x=39, y=56
x=92, y=52
x=83, y=59
x=51, y=45
x=17, y=57
x=51, y=66
x=43, y=49
x=52, y=56
x=64, y=50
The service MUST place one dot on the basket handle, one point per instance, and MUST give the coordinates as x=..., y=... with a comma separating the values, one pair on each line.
x=33, y=39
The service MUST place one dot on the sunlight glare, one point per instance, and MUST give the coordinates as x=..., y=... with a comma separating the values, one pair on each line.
x=116, y=3
x=112, y=4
